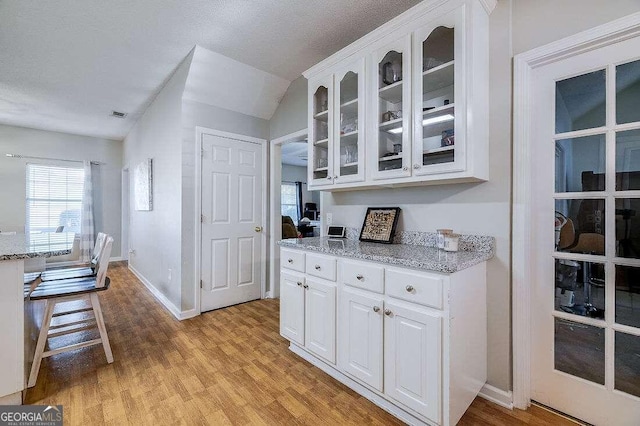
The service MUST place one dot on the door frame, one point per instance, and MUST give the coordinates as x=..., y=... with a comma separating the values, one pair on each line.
x=275, y=181
x=200, y=131
x=524, y=64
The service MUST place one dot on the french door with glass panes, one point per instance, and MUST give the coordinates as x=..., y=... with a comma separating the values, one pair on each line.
x=586, y=235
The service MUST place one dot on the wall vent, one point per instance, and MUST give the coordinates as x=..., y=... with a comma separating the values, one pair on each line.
x=118, y=114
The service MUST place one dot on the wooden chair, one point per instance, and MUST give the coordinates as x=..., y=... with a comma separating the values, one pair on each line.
x=79, y=272
x=59, y=291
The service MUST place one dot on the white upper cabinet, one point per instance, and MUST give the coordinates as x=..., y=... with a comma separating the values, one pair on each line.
x=406, y=104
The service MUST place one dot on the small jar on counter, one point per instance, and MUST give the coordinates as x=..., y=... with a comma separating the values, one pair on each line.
x=451, y=242
x=441, y=233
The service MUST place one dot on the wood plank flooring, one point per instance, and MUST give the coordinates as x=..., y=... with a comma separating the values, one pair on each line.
x=224, y=367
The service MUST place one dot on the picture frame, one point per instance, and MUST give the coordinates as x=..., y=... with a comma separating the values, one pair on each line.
x=143, y=185
x=379, y=224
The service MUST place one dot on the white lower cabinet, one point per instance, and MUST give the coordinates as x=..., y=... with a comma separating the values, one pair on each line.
x=413, y=342
x=308, y=313
x=360, y=336
x=412, y=358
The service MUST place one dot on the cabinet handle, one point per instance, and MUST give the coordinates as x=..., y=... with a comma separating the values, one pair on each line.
x=376, y=309
x=306, y=286
x=359, y=277
x=409, y=288
x=290, y=260
x=317, y=267
x=416, y=166
x=299, y=283
x=405, y=168
x=388, y=312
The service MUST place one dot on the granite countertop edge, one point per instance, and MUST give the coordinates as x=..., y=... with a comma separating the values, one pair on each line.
x=430, y=260
x=19, y=256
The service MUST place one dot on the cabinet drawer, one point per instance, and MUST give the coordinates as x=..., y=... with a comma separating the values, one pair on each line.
x=292, y=259
x=321, y=266
x=362, y=275
x=414, y=287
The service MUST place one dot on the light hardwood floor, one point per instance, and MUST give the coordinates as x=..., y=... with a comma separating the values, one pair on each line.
x=224, y=367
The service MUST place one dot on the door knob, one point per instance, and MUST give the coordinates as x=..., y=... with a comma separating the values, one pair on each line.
x=376, y=309
x=409, y=288
x=388, y=312
x=258, y=229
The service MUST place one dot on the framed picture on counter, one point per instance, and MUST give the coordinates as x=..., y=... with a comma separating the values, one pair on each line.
x=380, y=224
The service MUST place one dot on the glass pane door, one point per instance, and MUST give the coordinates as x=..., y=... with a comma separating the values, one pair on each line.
x=392, y=110
x=348, y=133
x=437, y=100
x=320, y=160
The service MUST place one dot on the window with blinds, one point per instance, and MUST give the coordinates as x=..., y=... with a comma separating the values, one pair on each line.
x=289, y=201
x=54, y=198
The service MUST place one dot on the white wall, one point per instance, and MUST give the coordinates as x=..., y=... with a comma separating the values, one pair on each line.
x=40, y=143
x=291, y=114
x=156, y=235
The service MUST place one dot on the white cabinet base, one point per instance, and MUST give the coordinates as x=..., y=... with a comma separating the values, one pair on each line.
x=373, y=396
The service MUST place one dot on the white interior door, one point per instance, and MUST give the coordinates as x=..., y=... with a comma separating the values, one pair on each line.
x=232, y=203
x=585, y=301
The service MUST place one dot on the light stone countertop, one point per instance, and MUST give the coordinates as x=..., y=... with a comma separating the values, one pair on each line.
x=412, y=256
x=28, y=246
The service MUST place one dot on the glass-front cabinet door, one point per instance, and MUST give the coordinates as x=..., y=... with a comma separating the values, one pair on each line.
x=320, y=161
x=348, y=131
x=390, y=144
x=438, y=146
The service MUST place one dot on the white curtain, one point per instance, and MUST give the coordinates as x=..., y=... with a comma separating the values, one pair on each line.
x=86, y=226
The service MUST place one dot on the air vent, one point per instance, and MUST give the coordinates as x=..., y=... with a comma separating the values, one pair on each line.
x=118, y=114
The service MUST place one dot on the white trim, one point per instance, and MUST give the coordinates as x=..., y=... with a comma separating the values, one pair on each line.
x=275, y=180
x=116, y=259
x=524, y=63
x=199, y=131
x=180, y=315
x=497, y=396
x=401, y=21
x=268, y=295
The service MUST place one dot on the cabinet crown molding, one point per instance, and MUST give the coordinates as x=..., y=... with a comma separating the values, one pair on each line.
x=406, y=17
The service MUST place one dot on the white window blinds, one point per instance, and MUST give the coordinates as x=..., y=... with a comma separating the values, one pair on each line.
x=54, y=198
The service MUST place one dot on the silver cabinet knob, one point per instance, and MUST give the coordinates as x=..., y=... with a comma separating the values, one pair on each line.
x=416, y=166
x=405, y=168
x=359, y=277
x=317, y=267
x=335, y=177
x=299, y=283
x=329, y=177
x=388, y=312
x=306, y=286
x=409, y=288
x=290, y=260
x=376, y=309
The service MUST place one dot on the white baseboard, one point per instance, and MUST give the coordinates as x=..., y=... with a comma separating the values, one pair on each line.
x=268, y=295
x=13, y=399
x=116, y=259
x=497, y=396
x=181, y=315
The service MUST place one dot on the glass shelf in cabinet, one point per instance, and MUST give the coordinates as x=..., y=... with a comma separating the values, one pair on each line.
x=438, y=77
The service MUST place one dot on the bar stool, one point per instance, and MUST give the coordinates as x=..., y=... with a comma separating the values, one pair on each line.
x=54, y=292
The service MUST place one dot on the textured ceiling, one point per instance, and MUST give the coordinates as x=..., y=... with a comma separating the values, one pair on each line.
x=65, y=64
